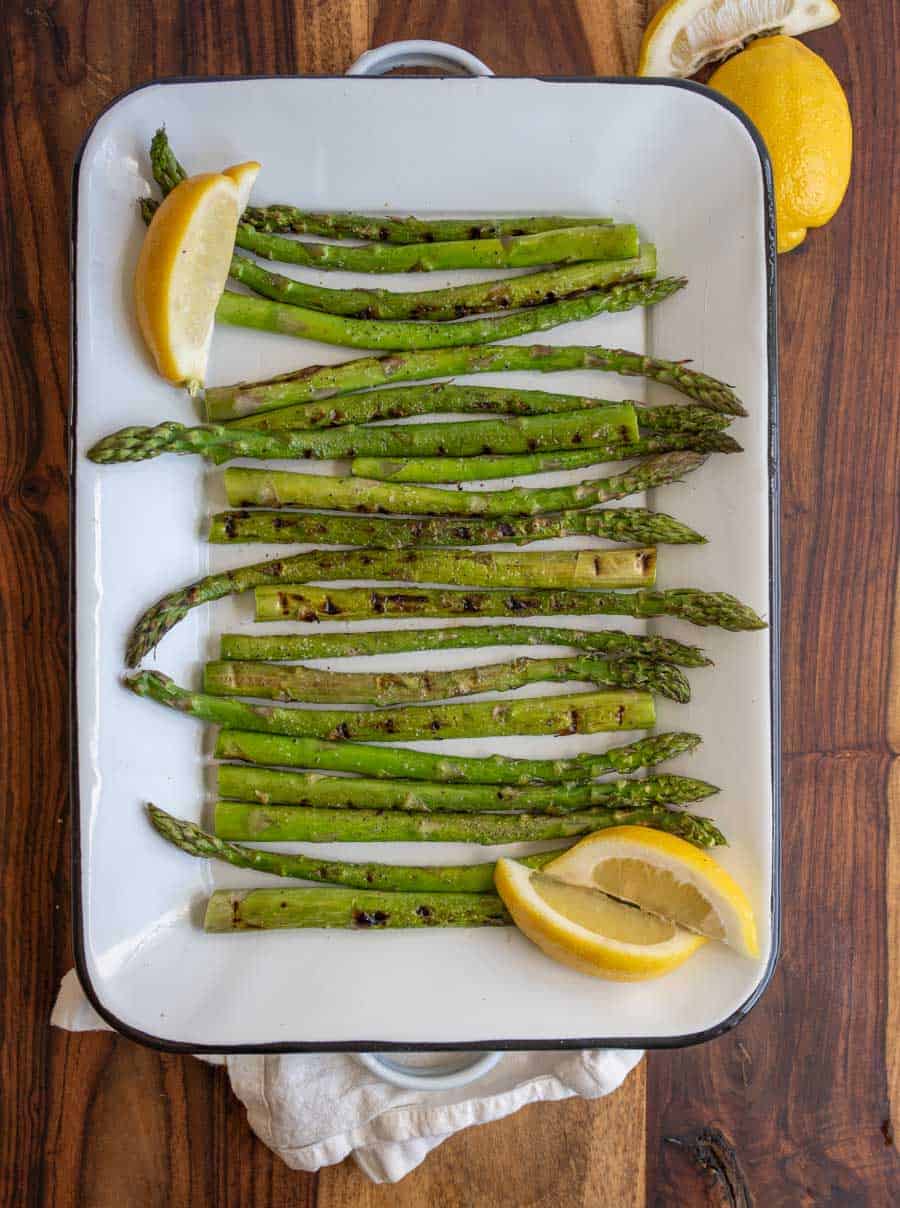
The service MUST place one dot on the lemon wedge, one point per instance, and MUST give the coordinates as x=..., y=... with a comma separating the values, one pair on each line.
x=686, y=34
x=183, y=267
x=665, y=876
x=581, y=927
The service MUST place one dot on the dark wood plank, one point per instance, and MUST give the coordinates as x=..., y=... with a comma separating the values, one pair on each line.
x=799, y=1091
x=33, y=536
x=548, y=1153
x=791, y=1106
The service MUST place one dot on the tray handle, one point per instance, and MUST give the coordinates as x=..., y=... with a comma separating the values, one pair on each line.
x=451, y=1074
x=418, y=53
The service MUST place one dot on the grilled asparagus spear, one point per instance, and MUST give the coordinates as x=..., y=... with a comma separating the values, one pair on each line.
x=379, y=762
x=610, y=642
x=269, y=786
x=395, y=532
x=597, y=568
x=581, y=713
x=315, y=383
x=274, y=681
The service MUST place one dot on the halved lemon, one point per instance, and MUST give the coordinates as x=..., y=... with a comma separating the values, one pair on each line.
x=589, y=931
x=183, y=267
x=686, y=34
x=665, y=876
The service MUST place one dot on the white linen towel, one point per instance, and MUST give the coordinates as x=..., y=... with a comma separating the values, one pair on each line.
x=315, y=1109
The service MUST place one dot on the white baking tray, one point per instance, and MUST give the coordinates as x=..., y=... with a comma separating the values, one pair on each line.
x=692, y=173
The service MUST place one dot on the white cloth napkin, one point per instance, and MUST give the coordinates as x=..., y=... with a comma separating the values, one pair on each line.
x=315, y=1109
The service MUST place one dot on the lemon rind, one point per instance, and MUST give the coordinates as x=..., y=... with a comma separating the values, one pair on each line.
x=655, y=56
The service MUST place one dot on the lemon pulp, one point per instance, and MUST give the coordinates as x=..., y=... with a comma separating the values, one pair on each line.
x=602, y=914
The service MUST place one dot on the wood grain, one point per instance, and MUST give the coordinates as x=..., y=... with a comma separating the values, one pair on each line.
x=892, y=1025
x=811, y=1059
x=794, y=1106
x=548, y=1153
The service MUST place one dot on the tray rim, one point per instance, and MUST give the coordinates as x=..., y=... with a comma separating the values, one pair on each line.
x=148, y=1039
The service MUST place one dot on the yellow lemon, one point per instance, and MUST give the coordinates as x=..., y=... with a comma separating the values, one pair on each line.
x=183, y=267
x=666, y=876
x=686, y=34
x=589, y=931
x=796, y=102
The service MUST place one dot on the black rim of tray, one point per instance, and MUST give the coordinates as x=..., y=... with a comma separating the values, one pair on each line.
x=498, y=1045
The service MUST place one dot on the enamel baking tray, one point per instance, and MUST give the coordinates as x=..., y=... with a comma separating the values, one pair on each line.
x=691, y=171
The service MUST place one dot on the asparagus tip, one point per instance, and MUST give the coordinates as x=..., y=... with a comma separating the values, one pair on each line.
x=142, y=683
x=159, y=819
x=164, y=824
x=713, y=836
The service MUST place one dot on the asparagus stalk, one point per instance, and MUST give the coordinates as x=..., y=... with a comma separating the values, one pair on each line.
x=242, y=820
x=274, y=681
x=356, y=909
x=168, y=172
x=605, y=428
x=609, y=430
x=392, y=532
x=276, y=488
x=369, y=603
x=599, y=568
x=467, y=878
x=452, y=302
x=581, y=713
x=516, y=465
x=478, y=449
x=242, y=310
x=611, y=642
x=314, y=383
x=385, y=228
x=403, y=402
x=398, y=763
x=267, y=786
x=566, y=245
x=486, y=568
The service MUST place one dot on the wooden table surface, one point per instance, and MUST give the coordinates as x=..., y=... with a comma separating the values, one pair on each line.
x=794, y=1106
